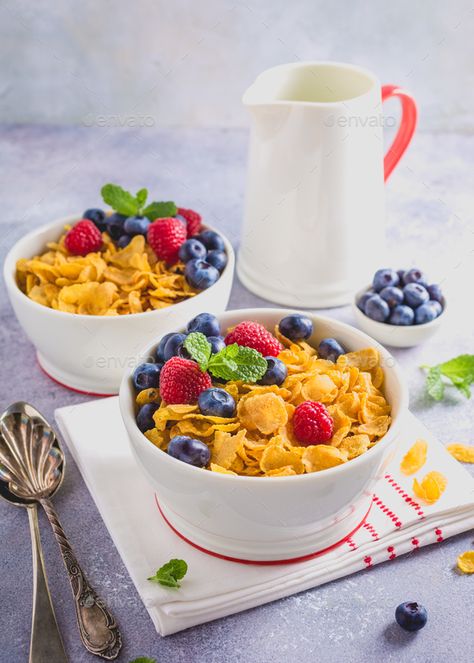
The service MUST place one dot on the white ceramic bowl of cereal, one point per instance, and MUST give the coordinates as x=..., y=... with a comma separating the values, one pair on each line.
x=89, y=353
x=269, y=519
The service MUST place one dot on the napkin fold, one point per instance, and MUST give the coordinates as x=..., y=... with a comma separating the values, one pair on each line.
x=213, y=588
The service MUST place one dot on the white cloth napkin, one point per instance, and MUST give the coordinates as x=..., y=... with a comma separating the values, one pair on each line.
x=213, y=588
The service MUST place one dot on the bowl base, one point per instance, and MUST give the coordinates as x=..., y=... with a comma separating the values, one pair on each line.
x=266, y=553
x=71, y=381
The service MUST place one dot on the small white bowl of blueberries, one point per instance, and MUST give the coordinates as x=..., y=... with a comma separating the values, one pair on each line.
x=401, y=308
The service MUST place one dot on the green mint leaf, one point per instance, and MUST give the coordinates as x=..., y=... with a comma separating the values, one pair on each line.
x=199, y=348
x=461, y=368
x=237, y=362
x=160, y=210
x=119, y=200
x=169, y=574
x=141, y=197
x=434, y=383
x=143, y=659
x=464, y=387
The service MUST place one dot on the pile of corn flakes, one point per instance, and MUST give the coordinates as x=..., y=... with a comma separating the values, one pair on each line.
x=112, y=281
x=259, y=441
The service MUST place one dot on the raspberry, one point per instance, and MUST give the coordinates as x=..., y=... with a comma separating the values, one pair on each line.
x=255, y=336
x=165, y=236
x=181, y=381
x=83, y=238
x=312, y=423
x=193, y=220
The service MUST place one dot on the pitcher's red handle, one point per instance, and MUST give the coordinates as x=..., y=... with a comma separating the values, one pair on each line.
x=405, y=130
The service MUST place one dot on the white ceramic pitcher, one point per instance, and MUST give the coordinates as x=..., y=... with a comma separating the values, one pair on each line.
x=314, y=221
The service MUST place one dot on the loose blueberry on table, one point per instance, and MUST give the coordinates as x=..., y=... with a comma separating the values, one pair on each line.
x=402, y=298
x=411, y=616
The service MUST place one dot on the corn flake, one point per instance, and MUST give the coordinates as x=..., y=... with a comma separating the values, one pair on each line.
x=431, y=487
x=465, y=561
x=415, y=458
x=461, y=452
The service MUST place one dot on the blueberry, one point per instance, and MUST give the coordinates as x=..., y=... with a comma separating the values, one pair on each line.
x=174, y=346
x=400, y=273
x=384, y=278
x=160, y=348
x=189, y=450
x=296, y=327
x=217, y=343
x=276, y=372
x=146, y=375
x=411, y=616
x=115, y=225
x=211, y=240
x=123, y=241
x=145, y=416
x=414, y=276
x=97, y=216
x=435, y=293
x=136, y=225
x=392, y=295
x=200, y=274
x=427, y=312
x=330, y=349
x=217, y=259
x=362, y=301
x=415, y=294
x=401, y=315
x=190, y=249
x=377, y=308
x=215, y=402
x=206, y=323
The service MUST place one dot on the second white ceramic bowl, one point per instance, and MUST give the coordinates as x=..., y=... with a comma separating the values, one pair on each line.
x=89, y=353
x=278, y=518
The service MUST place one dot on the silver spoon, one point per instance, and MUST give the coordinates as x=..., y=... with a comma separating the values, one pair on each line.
x=31, y=469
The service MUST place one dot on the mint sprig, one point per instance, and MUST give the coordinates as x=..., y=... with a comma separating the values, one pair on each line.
x=143, y=659
x=459, y=371
x=169, y=574
x=125, y=203
x=234, y=362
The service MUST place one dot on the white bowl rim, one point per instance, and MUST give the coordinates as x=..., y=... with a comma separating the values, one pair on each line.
x=384, y=325
x=253, y=314
x=9, y=273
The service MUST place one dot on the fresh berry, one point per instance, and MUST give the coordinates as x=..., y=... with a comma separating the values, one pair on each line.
x=427, y=312
x=211, y=240
x=83, y=238
x=401, y=315
x=415, y=295
x=206, y=323
x=296, y=327
x=146, y=376
x=384, y=278
x=174, y=346
x=200, y=274
x=192, y=220
x=145, y=416
x=312, y=423
x=123, y=241
x=377, y=308
x=189, y=450
x=181, y=381
x=136, y=225
x=160, y=348
x=330, y=349
x=115, y=225
x=411, y=616
x=414, y=276
x=435, y=293
x=392, y=295
x=97, y=216
x=165, y=236
x=217, y=343
x=217, y=259
x=215, y=402
x=362, y=301
x=191, y=249
x=276, y=372
x=401, y=273
x=253, y=335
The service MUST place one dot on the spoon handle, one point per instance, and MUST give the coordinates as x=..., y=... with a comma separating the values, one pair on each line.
x=97, y=626
x=46, y=645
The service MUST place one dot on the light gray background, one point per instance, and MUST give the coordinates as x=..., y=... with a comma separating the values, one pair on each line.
x=178, y=62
